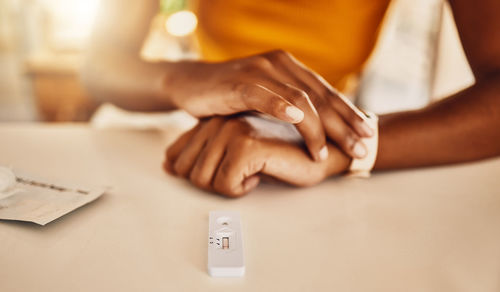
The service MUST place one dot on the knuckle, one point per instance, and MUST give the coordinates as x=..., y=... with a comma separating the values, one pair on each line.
x=249, y=68
x=169, y=154
x=308, y=183
x=167, y=167
x=179, y=168
x=214, y=124
x=314, y=97
x=233, y=194
x=199, y=180
x=235, y=128
x=302, y=96
x=276, y=105
x=199, y=176
x=231, y=126
x=224, y=170
x=276, y=55
x=299, y=95
x=314, y=180
x=279, y=53
x=262, y=63
x=227, y=191
x=221, y=186
x=244, y=143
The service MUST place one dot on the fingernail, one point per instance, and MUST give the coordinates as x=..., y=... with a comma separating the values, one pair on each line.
x=323, y=153
x=367, y=129
x=359, y=150
x=294, y=113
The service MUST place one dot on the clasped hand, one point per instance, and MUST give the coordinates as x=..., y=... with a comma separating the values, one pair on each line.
x=228, y=155
x=278, y=85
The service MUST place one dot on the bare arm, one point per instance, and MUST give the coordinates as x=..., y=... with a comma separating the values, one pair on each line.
x=273, y=83
x=228, y=157
x=465, y=126
x=113, y=69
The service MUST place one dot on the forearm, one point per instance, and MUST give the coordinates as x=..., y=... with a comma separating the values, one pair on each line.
x=127, y=81
x=463, y=127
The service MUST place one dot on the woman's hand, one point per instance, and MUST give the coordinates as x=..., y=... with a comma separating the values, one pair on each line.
x=276, y=84
x=227, y=155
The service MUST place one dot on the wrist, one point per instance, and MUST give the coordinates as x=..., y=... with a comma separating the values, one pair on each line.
x=338, y=162
x=175, y=79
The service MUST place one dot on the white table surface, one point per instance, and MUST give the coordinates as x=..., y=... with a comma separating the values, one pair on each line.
x=434, y=229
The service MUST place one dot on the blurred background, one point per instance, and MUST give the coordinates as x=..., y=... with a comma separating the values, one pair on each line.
x=418, y=58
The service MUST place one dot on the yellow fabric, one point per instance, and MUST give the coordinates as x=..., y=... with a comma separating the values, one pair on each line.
x=333, y=37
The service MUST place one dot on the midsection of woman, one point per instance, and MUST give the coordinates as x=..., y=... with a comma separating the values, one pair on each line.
x=332, y=37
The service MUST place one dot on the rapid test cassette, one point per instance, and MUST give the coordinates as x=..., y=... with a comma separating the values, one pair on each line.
x=225, y=245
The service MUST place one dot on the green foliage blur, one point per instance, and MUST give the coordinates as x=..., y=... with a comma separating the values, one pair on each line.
x=171, y=6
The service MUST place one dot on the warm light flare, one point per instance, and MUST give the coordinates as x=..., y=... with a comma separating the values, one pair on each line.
x=181, y=23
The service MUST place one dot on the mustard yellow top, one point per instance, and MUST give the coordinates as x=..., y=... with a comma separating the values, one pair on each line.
x=333, y=37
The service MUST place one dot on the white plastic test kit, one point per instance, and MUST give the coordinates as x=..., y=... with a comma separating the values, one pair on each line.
x=225, y=245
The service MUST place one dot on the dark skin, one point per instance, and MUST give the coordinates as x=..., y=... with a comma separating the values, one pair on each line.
x=462, y=127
